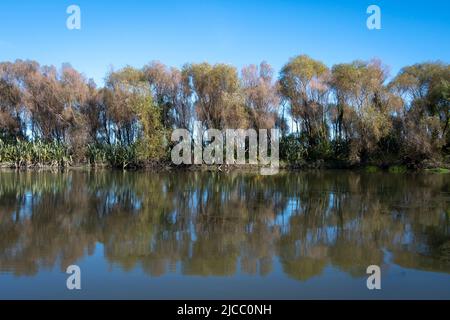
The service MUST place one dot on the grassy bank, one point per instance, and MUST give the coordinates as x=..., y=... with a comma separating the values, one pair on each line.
x=22, y=154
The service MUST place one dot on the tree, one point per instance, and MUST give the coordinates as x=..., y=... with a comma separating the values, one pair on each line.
x=303, y=84
x=95, y=113
x=348, y=112
x=363, y=106
x=343, y=116
x=424, y=89
x=121, y=91
x=261, y=96
x=135, y=118
x=171, y=93
x=11, y=121
x=54, y=100
x=219, y=102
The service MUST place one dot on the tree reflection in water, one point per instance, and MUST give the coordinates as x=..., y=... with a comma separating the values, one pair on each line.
x=217, y=224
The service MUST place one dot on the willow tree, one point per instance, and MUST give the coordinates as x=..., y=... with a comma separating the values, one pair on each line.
x=219, y=102
x=171, y=93
x=11, y=107
x=342, y=113
x=133, y=115
x=363, y=106
x=303, y=84
x=97, y=123
x=261, y=96
x=425, y=92
x=54, y=98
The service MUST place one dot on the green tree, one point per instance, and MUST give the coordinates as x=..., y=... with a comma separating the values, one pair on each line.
x=303, y=84
x=424, y=89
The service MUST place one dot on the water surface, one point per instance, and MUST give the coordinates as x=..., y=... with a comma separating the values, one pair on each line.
x=190, y=235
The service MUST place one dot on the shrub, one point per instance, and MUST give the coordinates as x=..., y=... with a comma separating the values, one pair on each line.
x=21, y=153
x=397, y=169
x=122, y=156
x=371, y=169
x=291, y=149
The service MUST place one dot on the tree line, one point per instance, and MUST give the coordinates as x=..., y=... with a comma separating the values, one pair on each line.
x=348, y=114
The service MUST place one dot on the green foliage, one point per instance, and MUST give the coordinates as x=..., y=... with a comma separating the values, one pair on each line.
x=116, y=155
x=121, y=156
x=320, y=151
x=150, y=144
x=371, y=169
x=23, y=153
x=303, y=84
x=96, y=154
x=292, y=150
x=340, y=149
x=398, y=169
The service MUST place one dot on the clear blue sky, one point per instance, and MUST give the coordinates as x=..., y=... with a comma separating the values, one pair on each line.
x=117, y=33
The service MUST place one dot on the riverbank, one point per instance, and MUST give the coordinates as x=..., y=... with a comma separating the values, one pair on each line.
x=163, y=166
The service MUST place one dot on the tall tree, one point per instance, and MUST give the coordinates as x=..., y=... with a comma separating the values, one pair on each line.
x=219, y=102
x=54, y=99
x=261, y=95
x=11, y=108
x=303, y=84
x=363, y=105
x=425, y=92
x=171, y=93
x=134, y=116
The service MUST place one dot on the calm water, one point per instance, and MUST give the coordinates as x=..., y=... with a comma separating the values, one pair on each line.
x=206, y=235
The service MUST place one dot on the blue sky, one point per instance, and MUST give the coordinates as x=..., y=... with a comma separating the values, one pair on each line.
x=117, y=33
